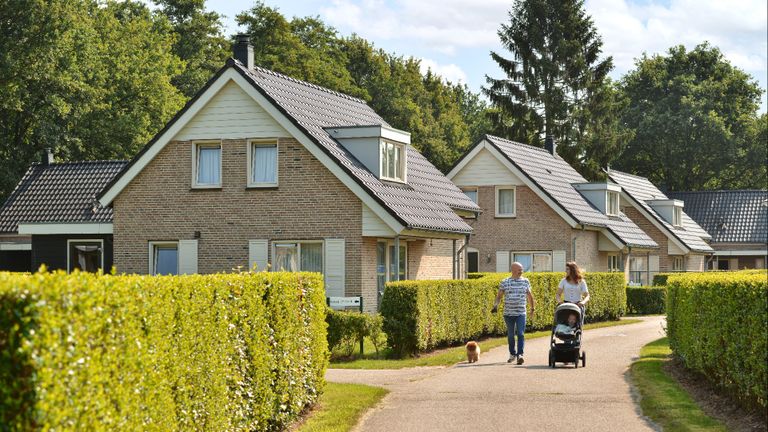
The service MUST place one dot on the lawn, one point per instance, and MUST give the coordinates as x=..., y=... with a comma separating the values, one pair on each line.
x=448, y=356
x=340, y=407
x=661, y=397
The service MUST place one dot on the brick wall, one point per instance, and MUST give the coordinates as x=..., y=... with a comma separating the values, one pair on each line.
x=588, y=256
x=659, y=237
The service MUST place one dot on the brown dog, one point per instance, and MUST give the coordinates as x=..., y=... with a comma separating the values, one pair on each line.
x=473, y=352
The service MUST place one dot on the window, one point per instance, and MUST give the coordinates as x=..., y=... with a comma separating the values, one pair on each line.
x=677, y=216
x=262, y=164
x=534, y=261
x=207, y=165
x=85, y=255
x=638, y=273
x=677, y=264
x=473, y=261
x=505, y=201
x=392, y=161
x=471, y=194
x=298, y=256
x=612, y=204
x=164, y=258
x=614, y=263
x=386, y=270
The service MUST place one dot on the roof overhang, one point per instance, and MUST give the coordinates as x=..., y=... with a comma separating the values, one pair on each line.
x=65, y=228
x=596, y=186
x=15, y=246
x=655, y=222
x=373, y=131
x=753, y=252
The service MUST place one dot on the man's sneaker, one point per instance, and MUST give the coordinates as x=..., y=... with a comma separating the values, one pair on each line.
x=512, y=358
x=520, y=359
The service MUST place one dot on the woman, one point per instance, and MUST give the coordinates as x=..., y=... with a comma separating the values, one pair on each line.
x=573, y=287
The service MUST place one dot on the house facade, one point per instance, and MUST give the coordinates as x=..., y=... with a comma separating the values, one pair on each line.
x=737, y=220
x=683, y=244
x=537, y=210
x=263, y=171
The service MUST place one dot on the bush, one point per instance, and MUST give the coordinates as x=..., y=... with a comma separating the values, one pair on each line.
x=243, y=351
x=346, y=329
x=646, y=300
x=660, y=279
x=423, y=315
x=718, y=326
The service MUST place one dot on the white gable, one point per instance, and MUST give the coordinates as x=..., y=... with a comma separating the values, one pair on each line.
x=231, y=114
x=373, y=226
x=484, y=169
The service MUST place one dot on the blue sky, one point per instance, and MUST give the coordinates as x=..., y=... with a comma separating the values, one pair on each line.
x=454, y=37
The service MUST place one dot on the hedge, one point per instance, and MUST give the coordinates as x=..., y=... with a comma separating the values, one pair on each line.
x=346, y=329
x=646, y=300
x=660, y=279
x=718, y=326
x=423, y=315
x=244, y=351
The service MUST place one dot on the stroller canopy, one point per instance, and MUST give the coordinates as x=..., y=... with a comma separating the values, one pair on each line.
x=566, y=309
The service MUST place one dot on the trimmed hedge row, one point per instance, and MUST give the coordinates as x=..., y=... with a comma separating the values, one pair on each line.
x=346, y=329
x=646, y=300
x=718, y=326
x=242, y=351
x=423, y=315
x=660, y=279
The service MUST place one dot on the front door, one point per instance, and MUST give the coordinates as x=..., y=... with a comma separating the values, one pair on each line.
x=386, y=270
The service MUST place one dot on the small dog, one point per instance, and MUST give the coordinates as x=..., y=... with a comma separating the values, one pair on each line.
x=473, y=352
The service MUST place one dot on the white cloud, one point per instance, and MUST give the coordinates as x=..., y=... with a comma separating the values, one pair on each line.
x=450, y=72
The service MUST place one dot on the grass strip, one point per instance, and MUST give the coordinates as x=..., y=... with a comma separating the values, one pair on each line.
x=662, y=399
x=450, y=356
x=340, y=407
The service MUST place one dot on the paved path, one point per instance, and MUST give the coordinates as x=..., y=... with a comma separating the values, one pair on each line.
x=494, y=396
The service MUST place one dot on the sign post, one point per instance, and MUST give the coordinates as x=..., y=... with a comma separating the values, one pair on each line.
x=344, y=302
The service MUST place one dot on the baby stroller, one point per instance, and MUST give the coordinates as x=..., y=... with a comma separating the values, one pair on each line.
x=565, y=346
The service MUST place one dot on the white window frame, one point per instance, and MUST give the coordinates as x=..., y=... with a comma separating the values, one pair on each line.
x=677, y=216
x=514, y=202
x=69, y=247
x=273, y=250
x=401, y=162
x=196, y=145
x=152, y=245
x=532, y=253
x=617, y=259
x=677, y=259
x=608, y=210
x=388, y=258
x=476, y=190
x=251, y=143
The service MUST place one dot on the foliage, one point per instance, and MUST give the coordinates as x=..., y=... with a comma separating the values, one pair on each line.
x=422, y=315
x=346, y=329
x=340, y=407
x=718, y=326
x=646, y=300
x=554, y=80
x=660, y=279
x=695, y=122
x=243, y=351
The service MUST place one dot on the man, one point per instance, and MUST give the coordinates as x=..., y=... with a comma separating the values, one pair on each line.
x=515, y=290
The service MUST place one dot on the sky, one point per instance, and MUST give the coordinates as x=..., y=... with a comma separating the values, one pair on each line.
x=454, y=37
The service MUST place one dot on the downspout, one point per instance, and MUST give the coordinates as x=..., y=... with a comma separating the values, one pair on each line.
x=648, y=267
x=454, y=259
x=397, y=258
x=627, y=268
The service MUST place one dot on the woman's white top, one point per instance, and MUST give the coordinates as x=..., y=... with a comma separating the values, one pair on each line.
x=572, y=293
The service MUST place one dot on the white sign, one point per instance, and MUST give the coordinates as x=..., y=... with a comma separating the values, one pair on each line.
x=341, y=302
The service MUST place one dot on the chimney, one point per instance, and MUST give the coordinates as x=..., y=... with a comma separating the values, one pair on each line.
x=550, y=146
x=47, y=157
x=243, y=50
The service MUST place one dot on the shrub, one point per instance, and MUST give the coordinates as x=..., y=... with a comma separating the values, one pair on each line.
x=422, y=315
x=243, y=351
x=346, y=329
x=660, y=279
x=646, y=300
x=718, y=326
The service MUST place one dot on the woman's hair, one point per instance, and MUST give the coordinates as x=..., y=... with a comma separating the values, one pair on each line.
x=575, y=275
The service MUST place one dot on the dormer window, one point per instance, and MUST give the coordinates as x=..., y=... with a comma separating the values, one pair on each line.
x=677, y=216
x=669, y=209
x=612, y=207
x=392, y=161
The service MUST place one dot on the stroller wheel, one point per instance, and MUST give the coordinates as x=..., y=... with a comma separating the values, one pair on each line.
x=583, y=359
x=551, y=359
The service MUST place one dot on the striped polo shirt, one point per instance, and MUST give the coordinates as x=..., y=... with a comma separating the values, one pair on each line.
x=515, y=298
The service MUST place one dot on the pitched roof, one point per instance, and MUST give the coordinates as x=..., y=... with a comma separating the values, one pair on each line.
x=642, y=190
x=729, y=216
x=426, y=202
x=556, y=179
x=59, y=192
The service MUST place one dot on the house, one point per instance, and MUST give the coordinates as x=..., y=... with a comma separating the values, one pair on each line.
x=260, y=170
x=539, y=211
x=52, y=217
x=737, y=220
x=683, y=243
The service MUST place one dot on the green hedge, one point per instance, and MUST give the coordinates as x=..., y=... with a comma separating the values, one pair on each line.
x=646, y=300
x=718, y=326
x=660, y=279
x=422, y=315
x=243, y=351
x=346, y=329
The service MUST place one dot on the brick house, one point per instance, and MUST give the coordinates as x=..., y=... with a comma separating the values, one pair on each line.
x=737, y=220
x=683, y=244
x=263, y=170
x=539, y=211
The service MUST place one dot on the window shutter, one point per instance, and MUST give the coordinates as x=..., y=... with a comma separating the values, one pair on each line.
x=187, y=256
x=502, y=262
x=558, y=260
x=257, y=255
x=653, y=263
x=334, y=267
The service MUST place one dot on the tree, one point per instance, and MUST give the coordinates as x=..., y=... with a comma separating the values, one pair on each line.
x=553, y=74
x=695, y=122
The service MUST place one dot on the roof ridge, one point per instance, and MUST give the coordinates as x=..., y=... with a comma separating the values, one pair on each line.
x=519, y=144
x=261, y=69
x=81, y=162
x=719, y=191
x=626, y=173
